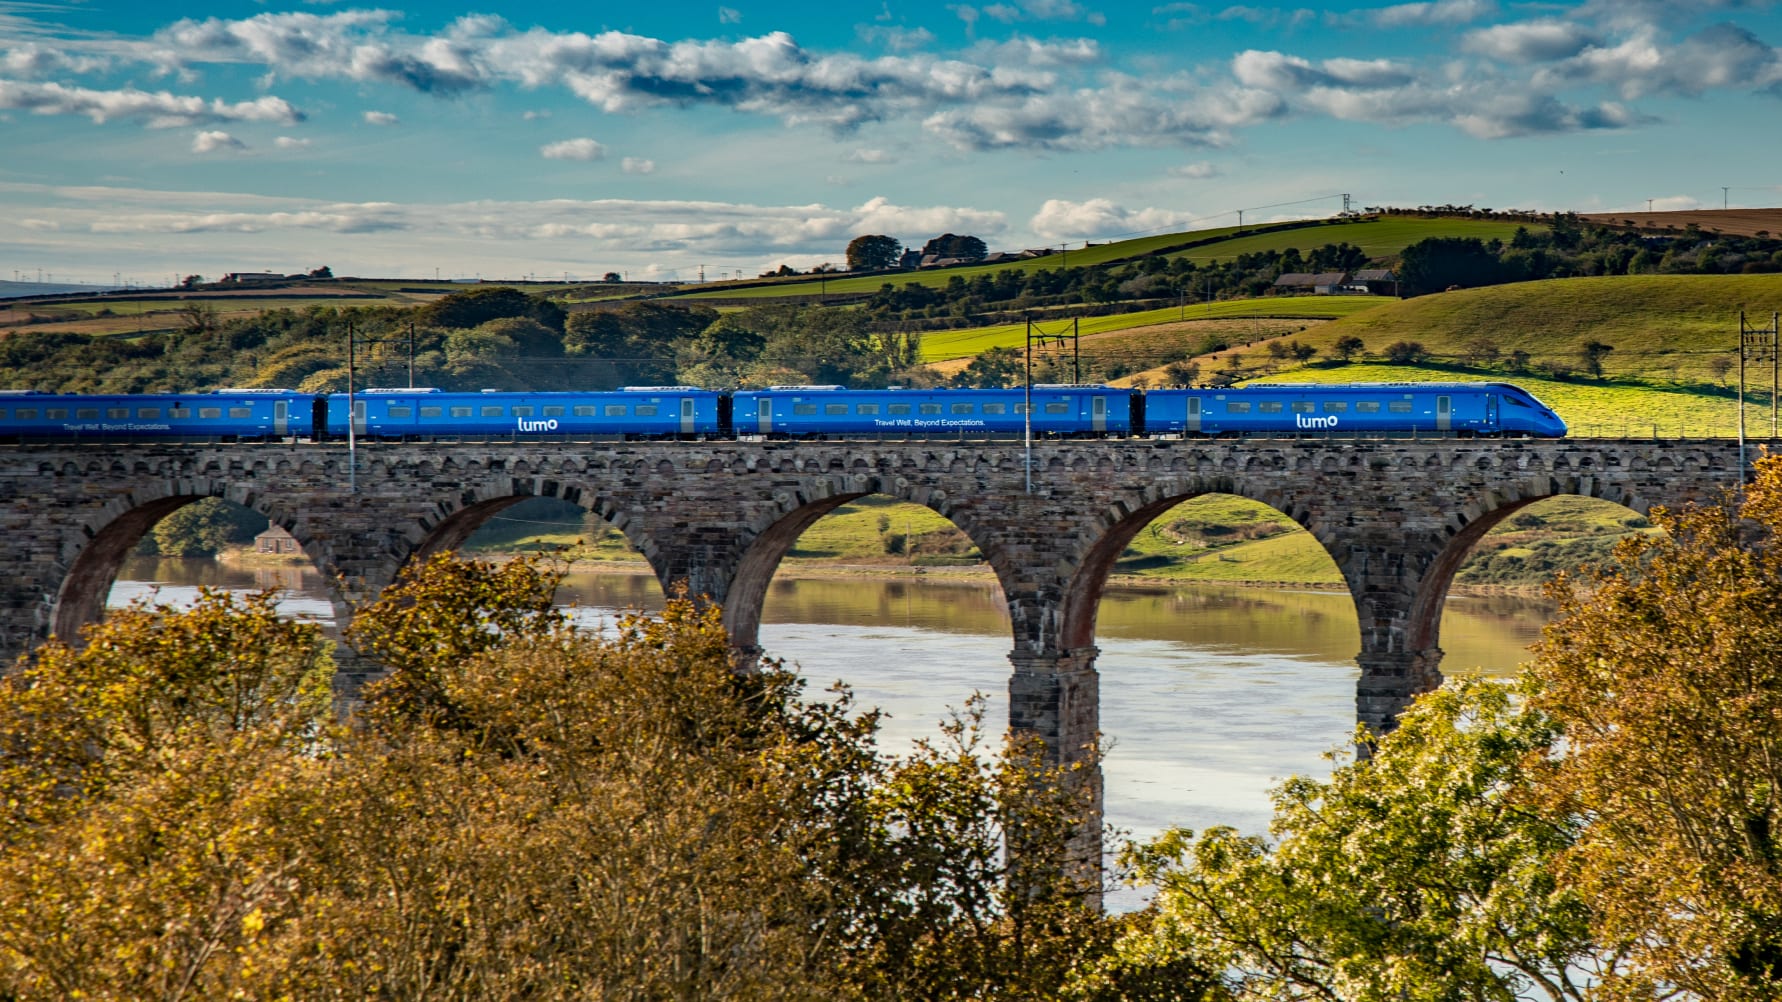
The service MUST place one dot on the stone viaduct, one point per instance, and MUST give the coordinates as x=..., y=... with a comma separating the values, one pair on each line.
x=1397, y=516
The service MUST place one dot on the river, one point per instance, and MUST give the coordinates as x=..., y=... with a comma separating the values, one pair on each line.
x=1210, y=694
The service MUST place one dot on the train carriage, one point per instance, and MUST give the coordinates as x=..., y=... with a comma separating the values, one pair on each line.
x=835, y=411
x=1359, y=408
x=223, y=415
x=632, y=412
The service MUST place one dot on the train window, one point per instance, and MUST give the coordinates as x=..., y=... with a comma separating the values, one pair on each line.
x=523, y=411
x=1517, y=403
x=583, y=410
x=461, y=411
x=962, y=408
x=241, y=412
x=835, y=408
x=1303, y=407
x=1237, y=406
x=1335, y=406
x=1060, y=407
x=86, y=412
x=554, y=411
x=995, y=408
x=180, y=412
x=397, y=410
x=615, y=410
x=1399, y=406
x=25, y=414
x=148, y=412
x=1022, y=408
x=1367, y=406
x=493, y=410
x=645, y=410
x=1269, y=406
x=117, y=413
x=931, y=408
x=432, y=411
x=56, y=414
x=804, y=409
x=867, y=409
x=897, y=408
x=210, y=412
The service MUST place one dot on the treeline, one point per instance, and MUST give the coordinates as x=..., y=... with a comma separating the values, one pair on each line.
x=1570, y=248
x=496, y=338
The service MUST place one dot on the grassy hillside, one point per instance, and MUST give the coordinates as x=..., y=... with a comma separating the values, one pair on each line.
x=941, y=345
x=1378, y=237
x=1662, y=326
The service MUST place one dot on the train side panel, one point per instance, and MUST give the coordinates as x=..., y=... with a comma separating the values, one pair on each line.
x=814, y=412
x=107, y=417
x=648, y=414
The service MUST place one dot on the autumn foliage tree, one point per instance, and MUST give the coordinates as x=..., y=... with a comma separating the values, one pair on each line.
x=521, y=810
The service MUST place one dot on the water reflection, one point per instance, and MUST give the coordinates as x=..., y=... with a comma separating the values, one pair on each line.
x=1209, y=694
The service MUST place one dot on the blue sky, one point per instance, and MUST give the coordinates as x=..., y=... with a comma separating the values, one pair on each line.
x=658, y=140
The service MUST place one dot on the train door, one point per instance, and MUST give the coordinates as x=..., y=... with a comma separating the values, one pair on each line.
x=686, y=415
x=281, y=417
x=318, y=418
x=1194, y=415
x=1098, y=413
x=1490, y=412
x=358, y=417
x=764, y=414
x=1444, y=413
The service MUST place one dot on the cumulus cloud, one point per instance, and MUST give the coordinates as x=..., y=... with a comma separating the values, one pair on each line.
x=896, y=39
x=1099, y=217
x=1719, y=56
x=637, y=165
x=865, y=156
x=729, y=15
x=158, y=109
x=290, y=143
x=213, y=141
x=1122, y=112
x=380, y=118
x=33, y=60
x=1531, y=41
x=572, y=149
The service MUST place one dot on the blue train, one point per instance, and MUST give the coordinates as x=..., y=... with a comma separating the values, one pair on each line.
x=663, y=412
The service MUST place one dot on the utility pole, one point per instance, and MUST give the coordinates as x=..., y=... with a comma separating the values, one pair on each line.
x=1027, y=396
x=1725, y=196
x=352, y=415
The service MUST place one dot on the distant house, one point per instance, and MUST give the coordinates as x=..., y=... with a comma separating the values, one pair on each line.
x=276, y=540
x=1376, y=281
x=936, y=261
x=1324, y=283
x=910, y=261
x=241, y=277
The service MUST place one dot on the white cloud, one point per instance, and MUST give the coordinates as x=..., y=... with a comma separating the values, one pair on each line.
x=158, y=109
x=534, y=115
x=895, y=38
x=637, y=165
x=380, y=118
x=572, y=149
x=1439, y=13
x=1199, y=170
x=290, y=143
x=1060, y=219
x=213, y=141
x=729, y=15
x=1530, y=41
x=866, y=156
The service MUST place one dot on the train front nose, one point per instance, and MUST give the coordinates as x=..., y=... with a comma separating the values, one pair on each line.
x=1552, y=424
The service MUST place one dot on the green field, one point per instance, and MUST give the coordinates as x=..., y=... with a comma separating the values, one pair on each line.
x=1379, y=237
x=944, y=345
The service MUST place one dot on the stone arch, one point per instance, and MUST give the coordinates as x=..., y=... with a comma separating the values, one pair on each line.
x=1464, y=529
x=1116, y=526
x=767, y=540
x=459, y=519
x=95, y=553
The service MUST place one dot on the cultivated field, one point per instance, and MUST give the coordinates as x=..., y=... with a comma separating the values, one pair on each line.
x=1732, y=222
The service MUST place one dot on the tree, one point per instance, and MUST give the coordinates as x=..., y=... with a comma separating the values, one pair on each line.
x=1182, y=373
x=966, y=248
x=1348, y=346
x=611, y=276
x=323, y=272
x=1664, y=669
x=873, y=253
x=1417, y=874
x=475, y=307
x=1437, y=263
x=993, y=369
x=1406, y=353
x=1592, y=353
x=204, y=527
x=1719, y=366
